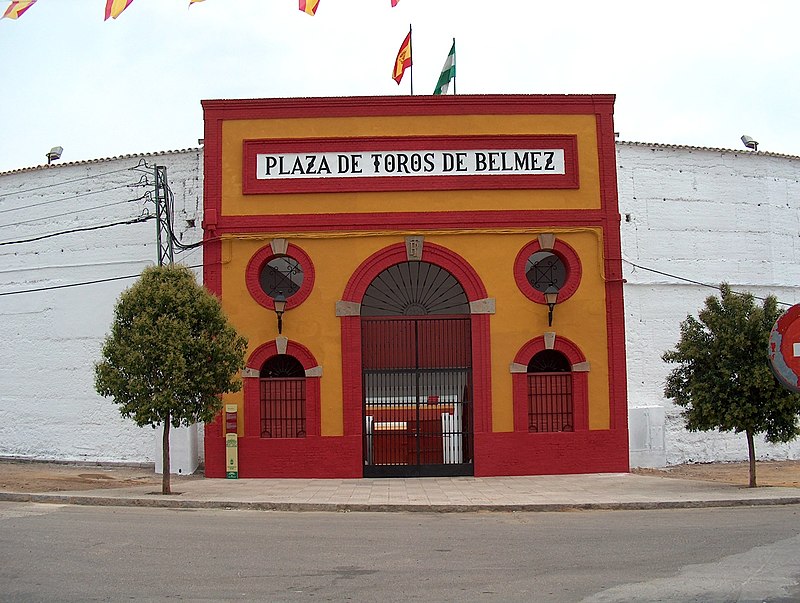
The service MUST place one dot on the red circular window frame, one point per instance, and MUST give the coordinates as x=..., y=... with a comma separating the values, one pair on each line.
x=260, y=259
x=565, y=253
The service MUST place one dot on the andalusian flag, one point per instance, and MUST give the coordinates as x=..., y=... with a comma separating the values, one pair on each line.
x=16, y=8
x=448, y=73
x=114, y=8
x=309, y=6
x=403, y=60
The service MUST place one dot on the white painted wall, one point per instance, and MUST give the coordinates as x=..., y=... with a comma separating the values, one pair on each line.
x=51, y=339
x=700, y=214
x=709, y=216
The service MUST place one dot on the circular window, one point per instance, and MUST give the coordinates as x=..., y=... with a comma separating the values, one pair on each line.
x=538, y=270
x=288, y=274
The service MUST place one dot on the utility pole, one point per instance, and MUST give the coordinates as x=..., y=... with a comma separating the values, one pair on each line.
x=163, y=216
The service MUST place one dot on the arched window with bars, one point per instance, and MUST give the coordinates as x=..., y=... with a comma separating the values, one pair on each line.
x=550, y=380
x=282, y=382
x=550, y=401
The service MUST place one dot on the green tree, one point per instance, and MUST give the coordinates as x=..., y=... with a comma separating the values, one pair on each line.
x=723, y=379
x=170, y=354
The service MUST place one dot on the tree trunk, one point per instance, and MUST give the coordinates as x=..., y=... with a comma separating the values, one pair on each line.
x=751, y=451
x=165, y=464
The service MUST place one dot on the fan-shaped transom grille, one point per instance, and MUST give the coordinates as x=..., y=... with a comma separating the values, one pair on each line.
x=414, y=289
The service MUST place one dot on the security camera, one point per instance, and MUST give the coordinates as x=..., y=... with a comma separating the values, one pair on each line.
x=750, y=142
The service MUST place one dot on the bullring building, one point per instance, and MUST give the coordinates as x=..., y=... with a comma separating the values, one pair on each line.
x=429, y=285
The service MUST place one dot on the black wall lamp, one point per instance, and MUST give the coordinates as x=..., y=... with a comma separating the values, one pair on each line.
x=279, y=301
x=551, y=299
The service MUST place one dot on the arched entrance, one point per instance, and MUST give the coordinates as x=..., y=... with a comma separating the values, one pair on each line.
x=416, y=369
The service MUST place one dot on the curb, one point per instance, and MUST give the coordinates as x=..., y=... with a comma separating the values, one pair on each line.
x=172, y=503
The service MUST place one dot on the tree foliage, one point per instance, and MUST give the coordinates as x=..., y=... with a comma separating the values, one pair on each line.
x=171, y=352
x=723, y=379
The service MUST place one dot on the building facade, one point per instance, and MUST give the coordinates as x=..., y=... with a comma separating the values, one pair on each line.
x=695, y=215
x=429, y=286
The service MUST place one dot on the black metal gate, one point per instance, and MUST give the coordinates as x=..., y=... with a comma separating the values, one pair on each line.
x=417, y=384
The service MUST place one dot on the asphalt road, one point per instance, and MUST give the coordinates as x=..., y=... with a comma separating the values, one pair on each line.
x=71, y=553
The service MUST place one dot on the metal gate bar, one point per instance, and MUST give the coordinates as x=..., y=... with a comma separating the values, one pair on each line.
x=417, y=407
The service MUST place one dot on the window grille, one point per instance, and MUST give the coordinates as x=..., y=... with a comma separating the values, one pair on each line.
x=283, y=398
x=550, y=401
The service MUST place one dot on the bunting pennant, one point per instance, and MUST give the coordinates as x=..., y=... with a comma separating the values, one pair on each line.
x=448, y=72
x=114, y=8
x=309, y=6
x=17, y=8
x=403, y=60
x=394, y=2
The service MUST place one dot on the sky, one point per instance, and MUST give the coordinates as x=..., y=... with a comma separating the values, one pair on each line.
x=699, y=73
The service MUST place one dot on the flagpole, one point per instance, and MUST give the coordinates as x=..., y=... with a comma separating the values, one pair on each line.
x=411, y=67
x=454, y=63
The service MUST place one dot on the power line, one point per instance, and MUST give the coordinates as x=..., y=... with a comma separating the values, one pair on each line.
x=144, y=197
x=94, y=282
x=63, y=182
x=142, y=182
x=86, y=229
x=688, y=280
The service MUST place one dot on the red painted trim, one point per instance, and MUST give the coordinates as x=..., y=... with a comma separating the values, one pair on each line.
x=408, y=220
x=568, y=256
x=396, y=254
x=615, y=307
x=377, y=106
x=260, y=259
x=580, y=382
x=252, y=185
x=252, y=394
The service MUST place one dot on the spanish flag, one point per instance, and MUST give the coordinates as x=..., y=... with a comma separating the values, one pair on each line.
x=403, y=60
x=309, y=6
x=114, y=8
x=16, y=8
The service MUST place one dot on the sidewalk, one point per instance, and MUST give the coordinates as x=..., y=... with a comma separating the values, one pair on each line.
x=453, y=494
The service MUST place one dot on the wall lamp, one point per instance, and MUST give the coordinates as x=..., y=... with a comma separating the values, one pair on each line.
x=750, y=142
x=55, y=153
x=551, y=299
x=279, y=301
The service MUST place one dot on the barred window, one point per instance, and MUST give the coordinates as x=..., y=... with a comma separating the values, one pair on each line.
x=550, y=400
x=283, y=398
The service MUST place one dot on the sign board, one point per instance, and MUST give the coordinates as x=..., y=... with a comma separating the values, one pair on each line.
x=784, y=349
x=409, y=163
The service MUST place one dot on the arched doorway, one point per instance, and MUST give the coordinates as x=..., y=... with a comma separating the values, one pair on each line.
x=416, y=373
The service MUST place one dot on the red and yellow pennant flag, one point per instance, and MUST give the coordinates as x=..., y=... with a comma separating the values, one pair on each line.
x=16, y=8
x=114, y=8
x=309, y=6
x=403, y=60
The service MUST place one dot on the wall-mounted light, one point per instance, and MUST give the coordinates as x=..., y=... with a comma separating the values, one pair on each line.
x=55, y=153
x=279, y=301
x=750, y=142
x=551, y=299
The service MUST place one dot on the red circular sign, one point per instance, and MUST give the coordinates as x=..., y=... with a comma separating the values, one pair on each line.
x=784, y=349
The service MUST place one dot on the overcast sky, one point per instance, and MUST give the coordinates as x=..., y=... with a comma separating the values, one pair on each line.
x=697, y=73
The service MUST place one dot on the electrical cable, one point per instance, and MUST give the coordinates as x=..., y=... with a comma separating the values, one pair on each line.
x=144, y=197
x=94, y=282
x=86, y=229
x=38, y=188
x=688, y=280
x=142, y=182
